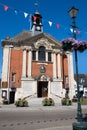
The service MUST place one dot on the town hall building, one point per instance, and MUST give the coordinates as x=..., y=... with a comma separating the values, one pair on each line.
x=35, y=65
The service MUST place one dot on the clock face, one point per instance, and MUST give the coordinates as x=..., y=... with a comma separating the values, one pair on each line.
x=42, y=69
x=38, y=28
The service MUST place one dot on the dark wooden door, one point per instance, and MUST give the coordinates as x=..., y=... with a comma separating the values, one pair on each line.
x=43, y=89
x=12, y=96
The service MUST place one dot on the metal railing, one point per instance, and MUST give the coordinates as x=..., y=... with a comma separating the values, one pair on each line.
x=30, y=96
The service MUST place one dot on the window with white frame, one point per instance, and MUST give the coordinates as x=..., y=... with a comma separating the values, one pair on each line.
x=13, y=78
x=33, y=55
x=49, y=56
x=42, y=53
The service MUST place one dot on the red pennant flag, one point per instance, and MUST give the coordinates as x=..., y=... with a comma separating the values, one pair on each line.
x=5, y=7
x=58, y=25
x=34, y=17
x=78, y=31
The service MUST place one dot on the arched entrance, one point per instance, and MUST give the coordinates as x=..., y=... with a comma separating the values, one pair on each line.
x=42, y=89
x=12, y=95
x=42, y=86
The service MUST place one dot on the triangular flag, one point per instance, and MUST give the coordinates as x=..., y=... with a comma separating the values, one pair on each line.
x=71, y=29
x=25, y=14
x=58, y=25
x=74, y=31
x=16, y=12
x=78, y=31
x=5, y=7
x=34, y=17
x=50, y=23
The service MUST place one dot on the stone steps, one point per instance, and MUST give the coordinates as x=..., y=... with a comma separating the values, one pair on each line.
x=38, y=101
x=35, y=101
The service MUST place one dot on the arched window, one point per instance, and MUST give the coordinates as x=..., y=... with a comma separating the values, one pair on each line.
x=41, y=53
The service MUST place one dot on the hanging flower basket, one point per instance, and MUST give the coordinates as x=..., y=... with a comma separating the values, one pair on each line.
x=67, y=44
x=81, y=46
x=70, y=44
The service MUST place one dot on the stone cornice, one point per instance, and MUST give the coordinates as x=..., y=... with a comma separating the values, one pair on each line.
x=43, y=42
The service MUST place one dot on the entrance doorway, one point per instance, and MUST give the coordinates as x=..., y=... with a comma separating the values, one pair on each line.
x=12, y=96
x=42, y=89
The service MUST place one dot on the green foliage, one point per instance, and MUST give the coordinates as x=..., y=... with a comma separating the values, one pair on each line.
x=66, y=101
x=74, y=99
x=83, y=101
x=48, y=102
x=69, y=44
x=5, y=101
x=21, y=103
x=67, y=47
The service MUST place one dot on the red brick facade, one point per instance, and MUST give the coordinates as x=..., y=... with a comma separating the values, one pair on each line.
x=16, y=66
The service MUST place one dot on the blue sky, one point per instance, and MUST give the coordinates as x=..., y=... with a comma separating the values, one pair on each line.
x=13, y=21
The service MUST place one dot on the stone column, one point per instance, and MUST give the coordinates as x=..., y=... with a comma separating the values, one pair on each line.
x=49, y=89
x=29, y=63
x=5, y=65
x=71, y=74
x=46, y=56
x=54, y=65
x=36, y=55
x=52, y=57
x=59, y=66
x=24, y=64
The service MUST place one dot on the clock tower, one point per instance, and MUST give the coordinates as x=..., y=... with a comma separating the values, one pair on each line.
x=37, y=26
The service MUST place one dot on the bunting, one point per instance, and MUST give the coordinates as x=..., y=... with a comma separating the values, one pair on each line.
x=25, y=14
x=5, y=7
x=50, y=23
x=16, y=12
x=34, y=18
x=57, y=25
x=78, y=31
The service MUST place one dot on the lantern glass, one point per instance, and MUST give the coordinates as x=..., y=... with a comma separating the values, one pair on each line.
x=73, y=12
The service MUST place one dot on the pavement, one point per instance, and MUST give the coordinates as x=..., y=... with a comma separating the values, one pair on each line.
x=58, y=128
x=12, y=107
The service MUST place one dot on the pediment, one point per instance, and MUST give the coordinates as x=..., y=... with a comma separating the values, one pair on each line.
x=44, y=42
x=27, y=39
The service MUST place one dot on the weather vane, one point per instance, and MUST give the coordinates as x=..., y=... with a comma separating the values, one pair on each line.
x=36, y=4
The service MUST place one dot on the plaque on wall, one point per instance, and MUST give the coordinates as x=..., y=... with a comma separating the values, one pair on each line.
x=4, y=84
x=42, y=69
x=4, y=93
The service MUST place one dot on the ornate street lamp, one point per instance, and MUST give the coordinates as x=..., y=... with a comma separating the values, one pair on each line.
x=80, y=125
x=73, y=13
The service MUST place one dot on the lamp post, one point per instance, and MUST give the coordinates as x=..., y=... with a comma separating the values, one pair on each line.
x=79, y=125
x=73, y=13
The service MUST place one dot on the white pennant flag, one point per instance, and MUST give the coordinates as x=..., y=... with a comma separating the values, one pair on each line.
x=25, y=15
x=50, y=23
x=71, y=30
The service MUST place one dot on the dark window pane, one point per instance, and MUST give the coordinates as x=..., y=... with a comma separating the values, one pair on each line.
x=33, y=55
x=49, y=56
x=41, y=52
x=13, y=78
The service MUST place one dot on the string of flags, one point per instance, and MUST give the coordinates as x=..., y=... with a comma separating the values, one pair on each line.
x=6, y=8
x=57, y=25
